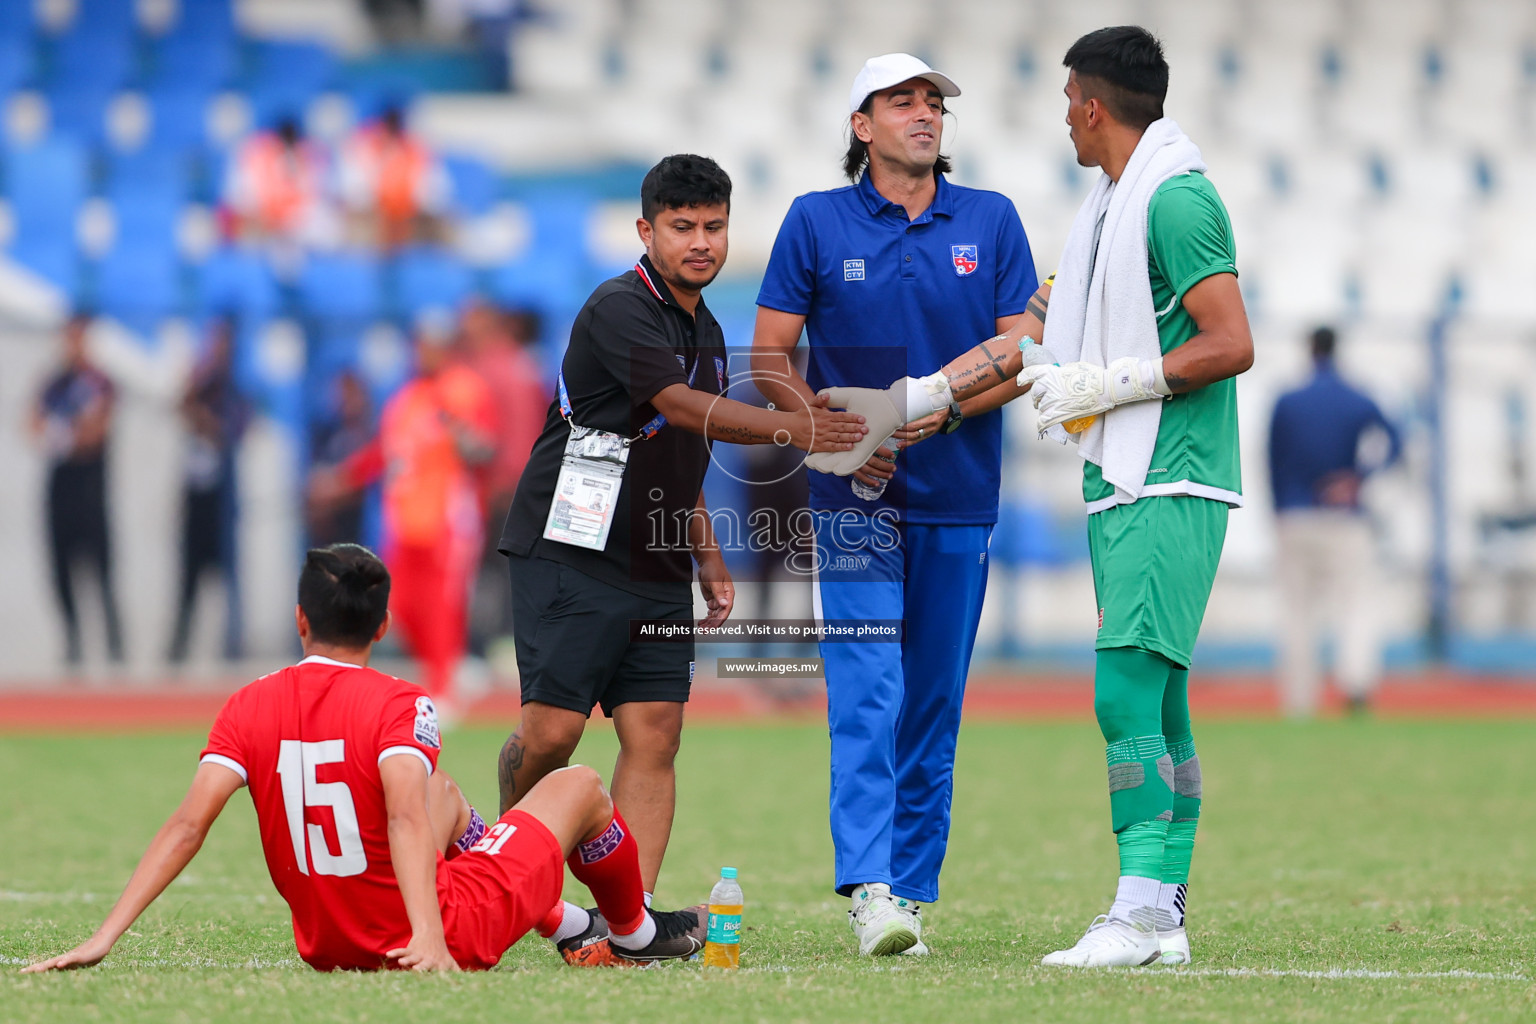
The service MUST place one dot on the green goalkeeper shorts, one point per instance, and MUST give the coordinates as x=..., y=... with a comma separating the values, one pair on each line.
x=1154, y=561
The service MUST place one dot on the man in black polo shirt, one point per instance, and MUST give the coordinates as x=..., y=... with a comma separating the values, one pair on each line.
x=609, y=519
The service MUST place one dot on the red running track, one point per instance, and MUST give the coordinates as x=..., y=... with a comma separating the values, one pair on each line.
x=64, y=707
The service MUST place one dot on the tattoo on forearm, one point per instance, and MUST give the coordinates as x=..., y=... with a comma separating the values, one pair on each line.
x=508, y=764
x=997, y=360
x=738, y=435
x=1037, y=305
x=996, y=352
x=1177, y=384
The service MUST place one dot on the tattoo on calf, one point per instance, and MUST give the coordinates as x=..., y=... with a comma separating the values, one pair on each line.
x=507, y=765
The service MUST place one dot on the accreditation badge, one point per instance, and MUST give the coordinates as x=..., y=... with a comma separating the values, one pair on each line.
x=587, y=492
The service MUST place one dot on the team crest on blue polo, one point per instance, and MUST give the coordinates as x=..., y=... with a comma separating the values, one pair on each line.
x=965, y=259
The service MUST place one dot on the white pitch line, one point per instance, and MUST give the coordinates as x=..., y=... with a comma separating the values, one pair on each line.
x=1337, y=974
x=1329, y=974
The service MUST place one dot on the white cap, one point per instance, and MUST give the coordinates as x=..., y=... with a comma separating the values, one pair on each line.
x=890, y=69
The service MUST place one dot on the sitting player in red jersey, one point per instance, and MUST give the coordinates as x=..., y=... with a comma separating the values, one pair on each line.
x=381, y=860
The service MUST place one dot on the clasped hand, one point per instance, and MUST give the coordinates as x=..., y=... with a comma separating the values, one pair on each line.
x=884, y=412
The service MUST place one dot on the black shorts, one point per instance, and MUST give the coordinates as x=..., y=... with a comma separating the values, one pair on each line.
x=574, y=646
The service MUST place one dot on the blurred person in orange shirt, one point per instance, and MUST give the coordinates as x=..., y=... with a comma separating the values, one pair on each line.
x=498, y=346
x=393, y=185
x=434, y=440
x=277, y=190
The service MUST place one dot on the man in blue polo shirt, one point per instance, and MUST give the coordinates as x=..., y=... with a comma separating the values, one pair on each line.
x=899, y=270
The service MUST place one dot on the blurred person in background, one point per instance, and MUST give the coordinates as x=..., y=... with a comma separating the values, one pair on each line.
x=498, y=346
x=277, y=192
x=776, y=508
x=216, y=415
x=335, y=518
x=1318, y=459
x=72, y=421
x=392, y=184
x=435, y=439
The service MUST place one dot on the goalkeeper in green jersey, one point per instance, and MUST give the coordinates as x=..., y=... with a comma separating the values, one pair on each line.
x=1148, y=325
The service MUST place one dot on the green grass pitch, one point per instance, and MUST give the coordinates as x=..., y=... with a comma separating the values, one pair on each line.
x=1381, y=871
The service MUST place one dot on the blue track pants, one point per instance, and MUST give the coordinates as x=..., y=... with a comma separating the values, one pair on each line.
x=893, y=709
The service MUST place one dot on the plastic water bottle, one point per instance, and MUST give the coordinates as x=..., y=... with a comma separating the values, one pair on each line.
x=863, y=490
x=723, y=947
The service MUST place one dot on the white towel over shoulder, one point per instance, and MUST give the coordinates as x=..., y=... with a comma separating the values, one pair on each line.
x=1101, y=309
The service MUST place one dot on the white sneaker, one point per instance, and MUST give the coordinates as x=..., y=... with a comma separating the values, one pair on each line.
x=882, y=930
x=912, y=911
x=1109, y=942
x=1174, y=943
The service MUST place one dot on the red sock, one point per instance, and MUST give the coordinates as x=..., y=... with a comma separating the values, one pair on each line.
x=610, y=866
x=547, y=925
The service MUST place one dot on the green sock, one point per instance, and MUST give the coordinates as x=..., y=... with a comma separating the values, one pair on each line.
x=1186, y=780
x=1143, y=849
x=1186, y=812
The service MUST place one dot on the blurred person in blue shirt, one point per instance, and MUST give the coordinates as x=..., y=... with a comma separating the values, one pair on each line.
x=1320, y=442
x=215, y=414
x=72, y=421
x=338, y=518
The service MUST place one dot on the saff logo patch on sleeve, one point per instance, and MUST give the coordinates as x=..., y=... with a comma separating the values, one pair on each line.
x=965, y=259
x=426, y=730
x=853, y=270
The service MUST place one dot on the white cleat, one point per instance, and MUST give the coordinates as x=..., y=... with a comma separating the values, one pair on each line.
x=913, y=912
x=882, y=930
x=1109, y=942
x=1174, y=943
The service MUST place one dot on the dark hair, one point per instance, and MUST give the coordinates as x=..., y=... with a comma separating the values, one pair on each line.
x=1323, y=342
x=1124, y=68
x=344, y=591
x=680, y=180
x=857, y=157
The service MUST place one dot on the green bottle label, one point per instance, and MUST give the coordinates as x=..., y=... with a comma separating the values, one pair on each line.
x=725, y=929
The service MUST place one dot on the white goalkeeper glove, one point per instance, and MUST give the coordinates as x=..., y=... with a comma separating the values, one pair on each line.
x=910, y=398
x=1072, y=391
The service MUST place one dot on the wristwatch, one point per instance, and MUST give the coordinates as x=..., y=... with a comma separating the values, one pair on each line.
x=952, y=424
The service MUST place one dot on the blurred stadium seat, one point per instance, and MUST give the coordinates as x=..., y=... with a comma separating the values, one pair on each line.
x=285, y=77
x=429, y=278
x=475, y=185
x=140, y=285
x=341, y=287
x=99, y=58
x=17, y=64
x=46, y=184
x=78, y=110
x=193, y=62
x=235, y=281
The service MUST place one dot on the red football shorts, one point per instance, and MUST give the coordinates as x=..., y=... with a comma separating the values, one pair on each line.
x=500, y=889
